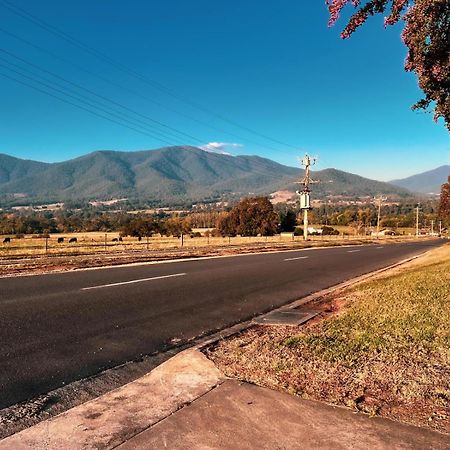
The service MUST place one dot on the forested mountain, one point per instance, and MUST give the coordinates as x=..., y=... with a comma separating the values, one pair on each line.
x=429, y=182
x=167, y=176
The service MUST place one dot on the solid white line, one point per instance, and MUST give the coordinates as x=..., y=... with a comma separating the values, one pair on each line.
x=353, y=251
x=133, y=281
x=299, y=257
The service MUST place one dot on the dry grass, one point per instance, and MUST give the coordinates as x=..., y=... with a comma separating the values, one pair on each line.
x=94, y=242
x=30, y=254
x=383, y=348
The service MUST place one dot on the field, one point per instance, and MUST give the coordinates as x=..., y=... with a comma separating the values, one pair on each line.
x=33, y=254
x=97, y=242
x=382, y=347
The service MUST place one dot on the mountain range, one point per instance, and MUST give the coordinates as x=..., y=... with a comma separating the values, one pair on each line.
x=429, y=182
x=168, y=176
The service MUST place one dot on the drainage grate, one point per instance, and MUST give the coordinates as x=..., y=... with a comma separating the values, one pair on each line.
x=286, y=317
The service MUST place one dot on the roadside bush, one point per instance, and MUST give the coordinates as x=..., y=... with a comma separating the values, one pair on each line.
x=329, y=231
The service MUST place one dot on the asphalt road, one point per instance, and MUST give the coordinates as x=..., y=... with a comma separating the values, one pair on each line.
x=58, y=328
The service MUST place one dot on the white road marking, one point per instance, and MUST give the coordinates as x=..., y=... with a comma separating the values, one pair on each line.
x=172, y=261
x=133, y=281
x=353, y=251
x=298, y=257
x=379, y=247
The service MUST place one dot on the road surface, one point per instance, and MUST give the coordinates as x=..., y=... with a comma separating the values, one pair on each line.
x=58, y=328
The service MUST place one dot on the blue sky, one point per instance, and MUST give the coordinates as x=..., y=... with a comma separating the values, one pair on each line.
x=272, y=67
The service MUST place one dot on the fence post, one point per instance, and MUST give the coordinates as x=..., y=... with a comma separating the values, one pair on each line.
x=46, y=245
x=106, y=239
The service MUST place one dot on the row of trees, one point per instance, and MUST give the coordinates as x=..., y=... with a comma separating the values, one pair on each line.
x=250, y=217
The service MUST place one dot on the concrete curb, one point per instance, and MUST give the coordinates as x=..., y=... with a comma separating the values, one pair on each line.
x=115, y=417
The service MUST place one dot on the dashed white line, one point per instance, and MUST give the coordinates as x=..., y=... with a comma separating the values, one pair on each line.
x=379, y=247
x=353, y=251
x=133, y=281
x=298, y=257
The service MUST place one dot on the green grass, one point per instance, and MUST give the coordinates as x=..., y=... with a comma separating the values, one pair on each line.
x=407, y=312
x=386, y=351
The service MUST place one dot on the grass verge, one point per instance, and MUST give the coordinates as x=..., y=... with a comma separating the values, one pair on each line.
x=382, y=347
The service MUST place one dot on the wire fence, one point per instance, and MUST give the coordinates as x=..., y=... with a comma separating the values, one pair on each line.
x=91, y=243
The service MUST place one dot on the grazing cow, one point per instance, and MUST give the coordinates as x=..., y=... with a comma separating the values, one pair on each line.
x=115, y=240
x=73, y=240
x=120, y=239
x=6, y=240
x=60, y=240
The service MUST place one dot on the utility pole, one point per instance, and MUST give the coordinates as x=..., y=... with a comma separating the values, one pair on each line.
x=380, y=201
x=305, y=203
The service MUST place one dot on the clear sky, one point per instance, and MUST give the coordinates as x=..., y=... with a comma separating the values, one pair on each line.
x=272, y=67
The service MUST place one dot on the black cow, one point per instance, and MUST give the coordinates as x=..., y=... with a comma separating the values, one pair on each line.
x=115, y=240
x=73, y=240
x=60, y=240
x=6, y=240
x=120, y=239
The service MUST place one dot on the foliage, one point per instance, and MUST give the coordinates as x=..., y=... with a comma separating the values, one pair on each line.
x=288, y=220
x=250, y=217
x=140, y=227
x=427, y=36
x=444, y=204
x=329, y=231
x=175, y=226
x=227, y=226
x=13, y=222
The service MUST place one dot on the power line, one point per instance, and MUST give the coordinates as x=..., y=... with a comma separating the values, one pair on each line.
x=68, y=38
x=79, y=98
x=132, y=127
x=126, y=89
x=171, y=129
x=80, y=107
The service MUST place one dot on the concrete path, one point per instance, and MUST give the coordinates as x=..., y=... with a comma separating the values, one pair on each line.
x=186, y=403
x=242, y=416
x=119, y=415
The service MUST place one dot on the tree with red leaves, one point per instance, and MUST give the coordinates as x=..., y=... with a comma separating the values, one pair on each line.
x=427, y=36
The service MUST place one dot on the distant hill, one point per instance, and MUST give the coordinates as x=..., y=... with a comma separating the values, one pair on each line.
x=14, y=168
x=427, y=182
x=168, y=176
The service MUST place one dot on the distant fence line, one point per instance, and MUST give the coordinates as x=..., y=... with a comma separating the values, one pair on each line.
x=28, y=246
